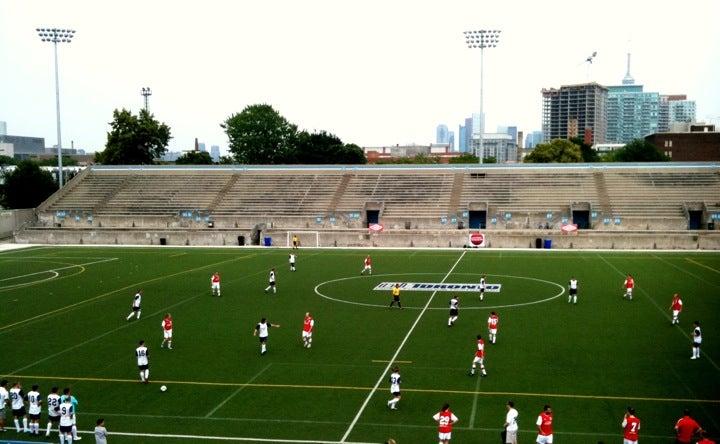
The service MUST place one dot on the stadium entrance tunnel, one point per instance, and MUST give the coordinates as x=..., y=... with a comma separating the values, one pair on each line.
x=515, y=291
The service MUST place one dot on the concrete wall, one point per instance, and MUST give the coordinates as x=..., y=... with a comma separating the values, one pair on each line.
x=11, y=220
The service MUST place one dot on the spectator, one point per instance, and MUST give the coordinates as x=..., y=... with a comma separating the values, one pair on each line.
x=100, y=432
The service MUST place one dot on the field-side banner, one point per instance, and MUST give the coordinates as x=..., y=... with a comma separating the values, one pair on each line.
x=477, y=239
x=435, y=286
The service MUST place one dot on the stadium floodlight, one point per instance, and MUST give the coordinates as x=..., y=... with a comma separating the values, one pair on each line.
x=483, y=38
x=146, y=93
x=55, y=36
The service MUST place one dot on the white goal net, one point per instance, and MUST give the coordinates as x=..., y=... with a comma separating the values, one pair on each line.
x=305, y=238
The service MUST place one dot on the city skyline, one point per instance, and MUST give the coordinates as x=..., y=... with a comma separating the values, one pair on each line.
x=196, y=85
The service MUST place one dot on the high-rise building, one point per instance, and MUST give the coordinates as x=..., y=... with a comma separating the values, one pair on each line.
x=3, y=128
x=498, y=145
x=533, y=138
x=468, y=134
x=675, y=109
x=441, y=134
x=215, y=153
x=462, y=136
x=201, y=146
x=575, y=110
x=451, y=140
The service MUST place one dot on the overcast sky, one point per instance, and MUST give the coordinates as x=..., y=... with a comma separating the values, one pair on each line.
x=373, y=72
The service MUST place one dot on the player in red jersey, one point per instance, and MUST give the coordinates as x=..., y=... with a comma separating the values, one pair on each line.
x=629, y=284
x=367, y=265
x=479, y=358
x=544, y=426
x=493, y=323
x=215, y=284
x=308, y=325
x=167, y=324
x=445, y=419
x=686, y=428
x=704, y=439
x=631, y=427
x=676, y=306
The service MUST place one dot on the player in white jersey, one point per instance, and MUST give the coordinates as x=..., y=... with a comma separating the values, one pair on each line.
x=697, y=340
x=572, y=290
x=34, y=409
x=262, y=330
x=68, y=396
x=292, y=258
x=454, y=307
x=395, y=382
x=271, y=281
x=17, y=404
x=137, y=299
x=142, y=353
x=482, y=287
x=67, y=417
x=4, y=395
x=53, y=407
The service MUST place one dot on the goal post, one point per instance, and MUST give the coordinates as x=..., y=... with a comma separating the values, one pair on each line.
x=306, y=238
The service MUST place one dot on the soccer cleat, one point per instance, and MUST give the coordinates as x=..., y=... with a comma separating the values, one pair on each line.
x=77, y=438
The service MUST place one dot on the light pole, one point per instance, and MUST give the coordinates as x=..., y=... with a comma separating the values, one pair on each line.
x=146, y=93
x=483, y=38
x=56, y=36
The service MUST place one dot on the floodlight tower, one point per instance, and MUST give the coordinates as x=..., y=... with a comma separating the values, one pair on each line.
x=483, y=38
x=55, y=36
x=146, y=93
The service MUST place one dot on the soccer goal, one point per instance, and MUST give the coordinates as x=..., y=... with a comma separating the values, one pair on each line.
x=306, y=238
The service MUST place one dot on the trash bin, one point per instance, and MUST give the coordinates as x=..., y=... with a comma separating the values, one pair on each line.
x=538, y=243
x=267, y=241
x=547, y=244
x=241, y=240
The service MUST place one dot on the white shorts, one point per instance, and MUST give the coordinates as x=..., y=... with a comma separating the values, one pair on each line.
x=368, y=267
x=306, y=334
x=696, y=343
x=629, y=441
x=444, y=436
x=167, y=334
x=216, y=285
x=676, y=313
x=628, y=291
x=493, y=331
x=478, y=360
x=544, y=439
x=510, y=437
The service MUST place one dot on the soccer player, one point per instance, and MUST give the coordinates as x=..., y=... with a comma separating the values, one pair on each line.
x=34, y=409
x=137, y=299
x=697, y=340
x=167, y=325
x=262, y=330
x=142, y=353
x=704, y=438
x=629, y=284
x=4, y=395
x=68, y=397
x=511, y=426
x=395, y=382
x=482, y=287
x=100, y=432
x=454, y=307
x=544, y=426
x=631, y=427
x=308, y=325
x=367, y=265
x=215, y=284
x=493, y=323
x=676, y=306
x=396, y=296
x=445, y=419
x=295, y=242
x=572, y=290
x=271, y=282
x=17, y=404
x=292, y=257
x=479, y=358
x=686, y=428
x=53, y=406
x=67, y=419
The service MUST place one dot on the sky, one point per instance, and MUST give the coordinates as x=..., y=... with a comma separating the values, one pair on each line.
x=373, y=72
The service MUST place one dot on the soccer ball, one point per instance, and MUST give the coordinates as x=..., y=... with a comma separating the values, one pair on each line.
x=163, y=388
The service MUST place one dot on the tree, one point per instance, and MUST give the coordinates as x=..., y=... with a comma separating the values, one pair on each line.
x=555, y=151
x=639, y=150
x=27, y=186
x=587, y=151
x=324, y=148
x=134, y=140
x=260, y=135
x=465, y=158
x=7, y=160
x=52, y=161
x=195, y=158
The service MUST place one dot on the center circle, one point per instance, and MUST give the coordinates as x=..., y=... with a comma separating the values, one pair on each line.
x=483, y=307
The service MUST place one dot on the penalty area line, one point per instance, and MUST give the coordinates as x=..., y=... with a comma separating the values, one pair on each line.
x=396, y=362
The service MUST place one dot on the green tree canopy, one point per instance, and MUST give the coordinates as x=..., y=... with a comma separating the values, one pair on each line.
x=134, y=140
x=588, y=153
x=52, y=161
x=324, y=148
x=639, y=150
x=555, y=151
x=27, y=186
x=7, y=160
x=260, y=135
x=195, y=158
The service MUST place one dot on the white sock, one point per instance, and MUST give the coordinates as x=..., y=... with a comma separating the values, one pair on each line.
x=17, y=423
x=569, y=298
x=274, y=289
x=262, y=348
x=142, y=375
x=74, y=432
x=575, y=299
x=69, y=439
x=147, y=374
x=62, y=438
x=309, y=342
x=49, y=427
x=138, y=314
x=130, y=315
x=25, y=425
x=449, y=321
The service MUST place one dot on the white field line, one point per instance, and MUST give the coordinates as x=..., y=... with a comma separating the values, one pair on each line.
x=239, y=389
x=701, y=265
x=60, y=268
x=685, y=271
x=663, y=312
x=397, y=352
x=473, y=411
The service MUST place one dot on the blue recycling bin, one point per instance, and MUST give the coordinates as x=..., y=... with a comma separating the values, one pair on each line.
x=267, y=241
x=547, y=244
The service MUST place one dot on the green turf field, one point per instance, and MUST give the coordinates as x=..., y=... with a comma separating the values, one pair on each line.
x=63, y=323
